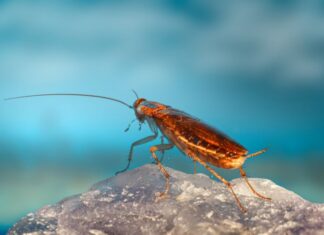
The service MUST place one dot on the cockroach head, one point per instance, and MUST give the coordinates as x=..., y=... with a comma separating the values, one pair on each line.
x=137, y=108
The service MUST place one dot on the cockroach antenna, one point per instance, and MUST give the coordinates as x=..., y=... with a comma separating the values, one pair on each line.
x=135, y=93
x=72, y=94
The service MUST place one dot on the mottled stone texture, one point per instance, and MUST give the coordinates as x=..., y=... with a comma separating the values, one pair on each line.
x=198, y=205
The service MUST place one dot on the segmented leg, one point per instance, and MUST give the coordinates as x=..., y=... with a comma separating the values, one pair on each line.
x=162, y=151
x=243, y=174
x=153, y=149
x=228, y=184
x=138, y=142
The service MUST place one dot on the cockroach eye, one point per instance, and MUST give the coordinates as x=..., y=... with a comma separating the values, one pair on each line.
x=139, y=109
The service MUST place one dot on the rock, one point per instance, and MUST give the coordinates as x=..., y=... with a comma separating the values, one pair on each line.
x=125, y=204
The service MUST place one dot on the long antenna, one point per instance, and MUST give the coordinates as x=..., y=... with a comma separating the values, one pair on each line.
x=135, y=93
x=71, y=94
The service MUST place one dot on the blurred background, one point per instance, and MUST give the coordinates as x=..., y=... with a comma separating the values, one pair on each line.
x=252, y=69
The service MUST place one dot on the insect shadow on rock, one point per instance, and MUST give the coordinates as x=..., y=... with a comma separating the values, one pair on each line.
x=199, y=141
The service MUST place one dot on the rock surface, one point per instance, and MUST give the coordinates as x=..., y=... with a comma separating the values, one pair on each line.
x=125, y=204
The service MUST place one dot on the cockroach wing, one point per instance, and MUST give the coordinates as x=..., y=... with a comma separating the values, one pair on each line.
x=194, y=129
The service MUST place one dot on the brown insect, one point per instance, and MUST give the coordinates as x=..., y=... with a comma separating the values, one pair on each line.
x=199, y=141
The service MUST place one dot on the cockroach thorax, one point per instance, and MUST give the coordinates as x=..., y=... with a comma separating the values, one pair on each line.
x=144, y=108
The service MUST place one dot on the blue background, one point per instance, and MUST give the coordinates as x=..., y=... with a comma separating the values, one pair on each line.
x=253, y=69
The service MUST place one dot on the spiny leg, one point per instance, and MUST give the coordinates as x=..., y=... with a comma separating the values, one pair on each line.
x=243, y=174
x=162, y=151
x=228, y=184
x=153, y=149
x=138, y=142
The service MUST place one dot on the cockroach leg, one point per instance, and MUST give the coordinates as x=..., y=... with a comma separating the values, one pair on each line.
x=195, y=166
x=228, y=184
x=162, y=151
x=153, y=149
x=243, y=174
x=138, y=142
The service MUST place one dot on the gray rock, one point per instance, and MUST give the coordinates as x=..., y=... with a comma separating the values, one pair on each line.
x=125, y=204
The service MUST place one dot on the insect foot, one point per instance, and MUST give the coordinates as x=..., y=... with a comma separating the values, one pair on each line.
x=159, y=196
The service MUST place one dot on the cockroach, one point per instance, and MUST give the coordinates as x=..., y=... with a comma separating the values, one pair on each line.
x=199, y=141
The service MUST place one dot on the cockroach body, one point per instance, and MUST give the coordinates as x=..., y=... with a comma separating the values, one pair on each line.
x=191, y=136
x=197, y=140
